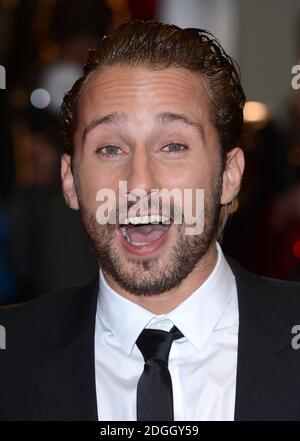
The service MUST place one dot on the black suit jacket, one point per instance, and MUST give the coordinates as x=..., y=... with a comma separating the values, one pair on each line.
x=47, y=370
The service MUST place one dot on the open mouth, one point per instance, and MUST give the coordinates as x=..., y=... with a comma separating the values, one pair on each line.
x=143, y=231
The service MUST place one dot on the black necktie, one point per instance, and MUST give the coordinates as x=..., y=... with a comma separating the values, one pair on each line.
x=154, y=389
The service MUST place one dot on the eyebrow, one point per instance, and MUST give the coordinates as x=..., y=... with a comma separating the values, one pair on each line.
x=111, y=118
x=168, y=117
x=162, y=118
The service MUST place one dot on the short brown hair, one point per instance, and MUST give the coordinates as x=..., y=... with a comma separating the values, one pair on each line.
x=159, y=45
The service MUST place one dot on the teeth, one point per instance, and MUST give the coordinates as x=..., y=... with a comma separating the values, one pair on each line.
x=136, y=220
x=133, y=242
x=138, y=243
x=124, y=232
x=155, y=218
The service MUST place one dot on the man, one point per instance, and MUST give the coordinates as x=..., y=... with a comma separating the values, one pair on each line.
x=171, y=329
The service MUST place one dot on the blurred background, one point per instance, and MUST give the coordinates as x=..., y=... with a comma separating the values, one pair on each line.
x=43, y=44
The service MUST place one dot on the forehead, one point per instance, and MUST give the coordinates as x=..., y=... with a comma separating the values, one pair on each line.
x=141, y=91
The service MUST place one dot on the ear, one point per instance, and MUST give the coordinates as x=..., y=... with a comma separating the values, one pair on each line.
x=232, y=175
x=68, y=183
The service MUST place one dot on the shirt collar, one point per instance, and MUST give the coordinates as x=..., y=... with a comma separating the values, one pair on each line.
x=196, y=317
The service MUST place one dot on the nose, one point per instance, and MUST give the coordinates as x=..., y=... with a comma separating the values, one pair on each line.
x=141, y=173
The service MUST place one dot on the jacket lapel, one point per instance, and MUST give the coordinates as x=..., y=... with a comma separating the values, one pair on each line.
x=66, y=362
x=267, y=377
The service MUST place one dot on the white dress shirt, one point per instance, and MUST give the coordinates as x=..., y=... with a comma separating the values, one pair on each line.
x=202, y=364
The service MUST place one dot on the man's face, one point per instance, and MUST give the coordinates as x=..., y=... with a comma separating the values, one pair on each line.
x=157, y=134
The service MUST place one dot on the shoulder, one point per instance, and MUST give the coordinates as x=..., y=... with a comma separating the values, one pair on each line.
x=286, y=293
x=25, y=323
x=267, y=290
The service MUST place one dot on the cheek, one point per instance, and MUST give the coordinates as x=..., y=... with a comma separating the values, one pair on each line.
x=92, y=180
x=195, y=176
x=89, y=185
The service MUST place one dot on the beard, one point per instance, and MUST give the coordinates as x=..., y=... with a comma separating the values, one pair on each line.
x=153, y=275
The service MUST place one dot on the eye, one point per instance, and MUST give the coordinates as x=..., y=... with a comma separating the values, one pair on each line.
x=174, y=148
x=108, y=150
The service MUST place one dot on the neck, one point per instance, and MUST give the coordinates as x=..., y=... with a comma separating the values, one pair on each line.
x=169, y=300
